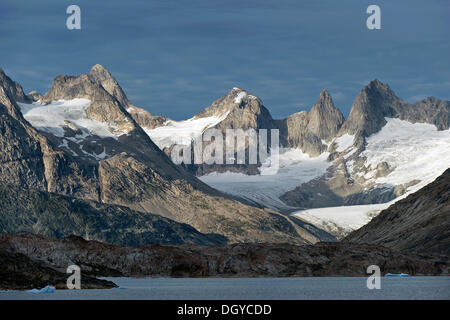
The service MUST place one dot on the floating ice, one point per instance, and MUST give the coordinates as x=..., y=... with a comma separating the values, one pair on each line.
x=46, y=289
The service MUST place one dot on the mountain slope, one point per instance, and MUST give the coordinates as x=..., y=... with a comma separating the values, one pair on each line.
x=420, y=222
x=385, y=150
x=142, y=117
x=80, y=141
x=53, y=215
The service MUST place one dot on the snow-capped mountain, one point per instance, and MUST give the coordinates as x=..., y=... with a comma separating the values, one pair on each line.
x=353, y=168
x=83, y=140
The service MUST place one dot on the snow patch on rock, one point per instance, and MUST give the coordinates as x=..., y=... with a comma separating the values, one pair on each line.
x=182, y=132
x=52, y=117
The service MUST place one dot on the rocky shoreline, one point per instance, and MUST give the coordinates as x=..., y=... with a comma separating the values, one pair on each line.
x=30, y=260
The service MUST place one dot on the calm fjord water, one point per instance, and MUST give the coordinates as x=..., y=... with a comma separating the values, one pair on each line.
x=255, y=289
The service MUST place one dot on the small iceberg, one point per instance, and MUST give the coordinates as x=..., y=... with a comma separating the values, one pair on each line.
x=46, y=289
x=397, y=275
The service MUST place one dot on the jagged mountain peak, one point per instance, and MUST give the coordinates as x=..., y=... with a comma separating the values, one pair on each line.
x=376, y=89
x=236, y=100
x=102, y=75
x=241, y=97
x=325, y=94
x=375, y=83
x=324, y=102
x=370, y=107
x=100, y=72
x=325, y=119
x=13, y=89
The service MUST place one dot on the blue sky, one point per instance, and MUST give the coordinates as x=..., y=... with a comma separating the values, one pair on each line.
x=175, y=57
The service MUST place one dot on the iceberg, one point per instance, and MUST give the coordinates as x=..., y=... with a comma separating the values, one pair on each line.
x=46, y=289
x=397, y=275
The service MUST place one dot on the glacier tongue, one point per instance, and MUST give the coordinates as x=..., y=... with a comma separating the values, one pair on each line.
x=295, y=168
x=413, y=151
x=340, y=221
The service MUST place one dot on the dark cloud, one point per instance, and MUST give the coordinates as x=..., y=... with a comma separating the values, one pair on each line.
x=176, y=57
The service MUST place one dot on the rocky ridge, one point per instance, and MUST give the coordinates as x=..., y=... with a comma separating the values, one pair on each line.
x=237, y=260
x=134, y=173
x=53, y=215
x=418, y=223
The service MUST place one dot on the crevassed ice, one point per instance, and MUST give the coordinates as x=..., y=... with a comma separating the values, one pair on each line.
x=413, y=150
x=295, y=168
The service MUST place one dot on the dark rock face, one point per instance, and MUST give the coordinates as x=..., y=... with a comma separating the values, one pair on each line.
x=237, y=260
x=430, y=110
x=135, y=173
x=377, y=101
x=35, y=96
x=19, y=272
x=308, y=130
x=21, y=156
x=102, y=76
x=53, y=215
x=325, y=119
x=418, y=223
x=12, y=88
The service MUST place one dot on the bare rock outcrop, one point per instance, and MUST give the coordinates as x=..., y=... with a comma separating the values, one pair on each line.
x=236, y=260
x=309, y=130
x=377, y=101
x=133, y=172
x=418, y=223
x=19, y=272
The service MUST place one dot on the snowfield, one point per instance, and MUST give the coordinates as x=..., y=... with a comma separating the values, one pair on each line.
x=415, y=151
x=344, y=142
x=340, y=221
x=412, y=150
x=51, y=117
x=295, y=168
x=182, y=132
